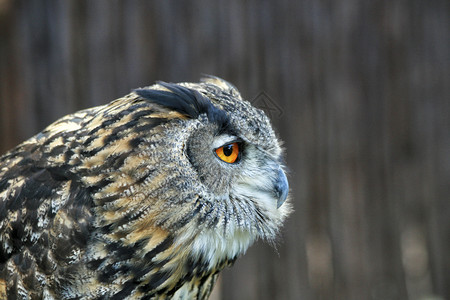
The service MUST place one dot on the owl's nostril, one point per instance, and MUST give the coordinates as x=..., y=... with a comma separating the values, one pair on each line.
x=281, y=188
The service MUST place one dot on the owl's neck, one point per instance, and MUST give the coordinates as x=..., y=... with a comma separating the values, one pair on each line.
x=213, y=247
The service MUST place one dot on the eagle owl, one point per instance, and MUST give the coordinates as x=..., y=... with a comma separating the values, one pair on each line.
x=147, y=197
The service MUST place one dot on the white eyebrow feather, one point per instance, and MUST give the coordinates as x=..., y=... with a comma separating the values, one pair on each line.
x=223, y=139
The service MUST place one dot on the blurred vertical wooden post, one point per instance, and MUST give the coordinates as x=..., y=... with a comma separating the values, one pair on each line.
x=363, y=88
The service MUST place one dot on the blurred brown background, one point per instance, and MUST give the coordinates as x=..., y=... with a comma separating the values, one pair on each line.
x=363, y=89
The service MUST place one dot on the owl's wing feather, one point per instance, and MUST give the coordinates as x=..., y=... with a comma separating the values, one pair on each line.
x=44, y=210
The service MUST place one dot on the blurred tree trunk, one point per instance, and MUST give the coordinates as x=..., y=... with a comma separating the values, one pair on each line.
x=363, y=88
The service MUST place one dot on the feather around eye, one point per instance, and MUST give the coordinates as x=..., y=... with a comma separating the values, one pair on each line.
x=229, y=153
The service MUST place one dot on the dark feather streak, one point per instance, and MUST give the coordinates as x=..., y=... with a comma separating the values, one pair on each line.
x=188, y=102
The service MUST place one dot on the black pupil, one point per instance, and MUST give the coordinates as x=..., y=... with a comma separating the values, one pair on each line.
x=228, y=149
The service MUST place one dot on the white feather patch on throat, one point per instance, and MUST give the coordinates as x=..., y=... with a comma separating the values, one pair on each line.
x=215, y=247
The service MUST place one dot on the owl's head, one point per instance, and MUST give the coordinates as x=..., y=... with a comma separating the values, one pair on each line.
x=224, y=182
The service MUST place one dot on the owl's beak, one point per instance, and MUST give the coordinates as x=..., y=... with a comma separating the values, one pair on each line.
x=281, y=188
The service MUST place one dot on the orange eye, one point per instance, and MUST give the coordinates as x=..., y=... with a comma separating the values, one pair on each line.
x=228, y=153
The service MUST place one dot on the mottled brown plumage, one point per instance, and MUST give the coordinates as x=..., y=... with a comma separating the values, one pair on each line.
x=130, y=200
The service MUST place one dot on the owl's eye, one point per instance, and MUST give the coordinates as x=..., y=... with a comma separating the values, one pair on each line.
x=229, y=153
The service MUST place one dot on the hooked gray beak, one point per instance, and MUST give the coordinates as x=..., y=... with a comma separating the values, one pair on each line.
x=281, y=188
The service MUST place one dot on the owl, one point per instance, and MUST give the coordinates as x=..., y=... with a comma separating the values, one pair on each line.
x=147, y=197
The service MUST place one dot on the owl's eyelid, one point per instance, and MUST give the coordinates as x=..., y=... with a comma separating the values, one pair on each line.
x=225, y=139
